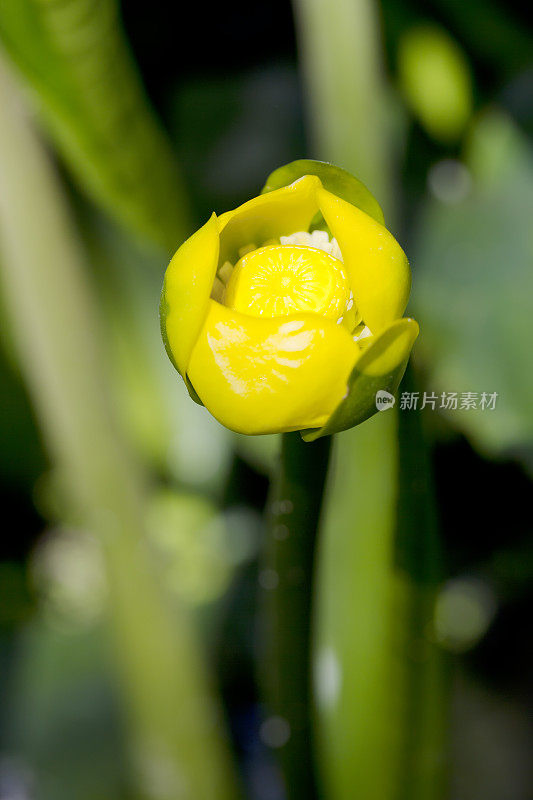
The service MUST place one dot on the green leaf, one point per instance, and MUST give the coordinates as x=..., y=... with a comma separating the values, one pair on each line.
x=51, y=307
x=97, y=112
x=473, y=285
x=334, y=179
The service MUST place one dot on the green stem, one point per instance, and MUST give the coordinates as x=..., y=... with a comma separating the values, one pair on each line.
x=418, y=565
x=380, y=680
x=287, y=583
x=160, y=672
x=341, y=59
x=356, y=687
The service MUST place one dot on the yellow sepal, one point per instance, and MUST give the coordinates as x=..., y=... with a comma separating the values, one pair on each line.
x=186, y=290
x=377, y=267
x=259, y=375
x=268, y=216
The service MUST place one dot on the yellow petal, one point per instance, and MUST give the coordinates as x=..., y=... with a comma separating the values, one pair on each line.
x=379, y=367
x=258, y=375
x=269, y=216
x=186, y=290
x=376, y=264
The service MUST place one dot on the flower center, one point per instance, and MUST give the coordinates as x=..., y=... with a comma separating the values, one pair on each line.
x=277, y=280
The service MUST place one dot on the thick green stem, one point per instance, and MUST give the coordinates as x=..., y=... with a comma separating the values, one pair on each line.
x=419, y=568
x=164, y=684
x=380, y=677
x=287, y=586
x=380, y=681
x=356, y=684
x=341, y=59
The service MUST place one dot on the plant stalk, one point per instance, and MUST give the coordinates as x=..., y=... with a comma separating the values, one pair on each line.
x=160, y=674
x=380, y=689
x=340, y=54
x=287, y=587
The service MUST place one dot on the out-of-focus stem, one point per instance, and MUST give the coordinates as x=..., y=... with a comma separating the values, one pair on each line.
x=418, y=568
x=177, y=744
x=355, y=678
x=379, y=678
x=341, y=57
x=287, y=586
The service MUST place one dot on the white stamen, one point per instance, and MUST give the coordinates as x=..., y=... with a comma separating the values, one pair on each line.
x=318, y=239
x=225, y=271
x=217, y=290
x=247, y=249
x=335, y=250
x=365, y=333
x=301, y=237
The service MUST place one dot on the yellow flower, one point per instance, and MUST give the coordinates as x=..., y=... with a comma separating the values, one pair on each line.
x=275, y=328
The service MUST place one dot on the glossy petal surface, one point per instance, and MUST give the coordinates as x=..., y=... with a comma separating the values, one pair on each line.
x=186, y=290
x=268, y=375
x=376, y=264
x=380, y=367
x=268, y=216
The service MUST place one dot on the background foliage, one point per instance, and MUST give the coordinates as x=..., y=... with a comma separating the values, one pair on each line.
x=131, y=561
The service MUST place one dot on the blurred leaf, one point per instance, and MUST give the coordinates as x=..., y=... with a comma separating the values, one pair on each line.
x=159, y=670
x=435, y=79
x=63, y=721
x=76, y=59
x=473, y=286
x=170, y=432
x=502, y=40
x=198, y=549
x=22, y=457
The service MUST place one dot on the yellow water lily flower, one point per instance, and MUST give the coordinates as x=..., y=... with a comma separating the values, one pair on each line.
x=286, y=313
